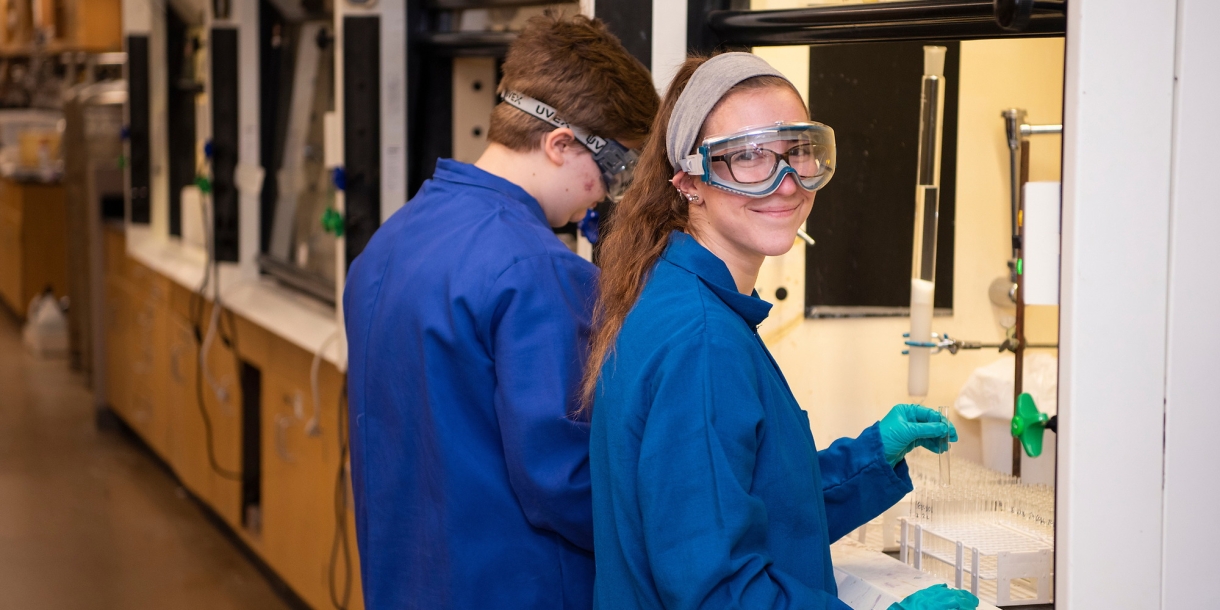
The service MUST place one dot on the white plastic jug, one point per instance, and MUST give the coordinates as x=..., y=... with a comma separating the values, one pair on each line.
x=46, y=328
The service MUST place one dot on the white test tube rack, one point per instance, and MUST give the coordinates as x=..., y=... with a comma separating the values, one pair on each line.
x=968, y=555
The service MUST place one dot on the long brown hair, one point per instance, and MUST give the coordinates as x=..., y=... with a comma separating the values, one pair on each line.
x=637, y=233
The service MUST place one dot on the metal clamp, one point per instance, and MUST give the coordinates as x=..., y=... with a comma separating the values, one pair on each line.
x=938, y=344
x=944, y=343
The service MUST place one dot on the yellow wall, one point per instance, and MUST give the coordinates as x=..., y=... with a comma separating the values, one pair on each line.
x=848, y=373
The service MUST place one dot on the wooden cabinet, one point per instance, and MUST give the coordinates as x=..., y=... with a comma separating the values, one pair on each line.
x=72, y=25
x=33, y=242
x=147, y=350
x=118, y=364
x=152, y=372
x=94, y=25
x=300, y=473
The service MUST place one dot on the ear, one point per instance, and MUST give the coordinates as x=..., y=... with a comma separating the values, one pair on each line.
x=683, y=182
x=686, y=184
x=557, y=144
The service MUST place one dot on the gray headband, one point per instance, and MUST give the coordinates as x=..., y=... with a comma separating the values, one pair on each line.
x=707, y=85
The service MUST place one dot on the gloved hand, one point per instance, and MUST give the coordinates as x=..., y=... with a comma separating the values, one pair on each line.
x=938, y=597
x=906, y=427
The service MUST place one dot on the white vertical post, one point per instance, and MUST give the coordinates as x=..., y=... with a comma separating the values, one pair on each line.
x=249, y=173
x=158, y=124
x=393, y=107
x=668, y=41
x=1114, y=282
x=957, y=564
x=1003, y=579
x=902, y=545
x=1192, y=488
x=974, y=571
x=336, y=146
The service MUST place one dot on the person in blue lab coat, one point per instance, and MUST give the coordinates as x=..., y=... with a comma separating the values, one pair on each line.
x=467, y=323
x=708, y=488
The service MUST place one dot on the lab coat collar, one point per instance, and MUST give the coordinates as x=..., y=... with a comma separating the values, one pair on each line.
x=465, y=173
x=683, y=251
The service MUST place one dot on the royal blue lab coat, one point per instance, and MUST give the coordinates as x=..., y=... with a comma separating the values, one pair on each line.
x=708, y=491
x=467, y=324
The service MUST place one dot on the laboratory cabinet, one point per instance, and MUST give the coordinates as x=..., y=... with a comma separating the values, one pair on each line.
x=33, y=242
x=286, y=514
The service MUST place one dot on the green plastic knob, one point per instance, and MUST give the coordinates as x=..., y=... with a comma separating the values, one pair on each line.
x=204, y=184
x=1029, y=424
x=332, y=222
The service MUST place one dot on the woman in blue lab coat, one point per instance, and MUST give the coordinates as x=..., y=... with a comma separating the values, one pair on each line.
x=708, y=489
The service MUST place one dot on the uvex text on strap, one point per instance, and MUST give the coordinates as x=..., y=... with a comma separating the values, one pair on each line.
x=549, y=114
x=616, y=162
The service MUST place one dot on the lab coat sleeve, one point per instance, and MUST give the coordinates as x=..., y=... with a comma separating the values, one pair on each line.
x=704, y=532
x=858, y=483
x=538, y=333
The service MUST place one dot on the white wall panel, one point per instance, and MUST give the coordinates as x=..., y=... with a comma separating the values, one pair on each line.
x=1192, y=487
x=1117, y=144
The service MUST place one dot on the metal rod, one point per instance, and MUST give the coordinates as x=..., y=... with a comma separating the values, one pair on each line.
x=1019, y=336
x=1038, y=130
x=1013, y=119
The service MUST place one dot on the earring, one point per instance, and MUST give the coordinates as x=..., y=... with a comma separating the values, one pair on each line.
x=690, y=197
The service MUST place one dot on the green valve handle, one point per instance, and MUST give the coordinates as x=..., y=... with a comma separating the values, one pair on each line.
x=204, y=183
x=1029, y=423
x=332, y=222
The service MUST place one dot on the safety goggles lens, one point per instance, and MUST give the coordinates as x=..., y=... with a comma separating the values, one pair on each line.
x=617, y=165
x=757, y=163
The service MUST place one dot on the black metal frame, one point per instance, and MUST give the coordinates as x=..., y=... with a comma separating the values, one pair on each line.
x=251, y=442
x=464, y=4
x=891, y=21
x=468, y=44
x=139, y=134
x=180, y=114
x=361, y=130
x=226, y=209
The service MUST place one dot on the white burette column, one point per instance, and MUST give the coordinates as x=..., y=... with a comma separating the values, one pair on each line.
x=927, y=210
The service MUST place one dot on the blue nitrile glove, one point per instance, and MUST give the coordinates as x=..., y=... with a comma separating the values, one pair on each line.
x=906, y=427
x=938, y=597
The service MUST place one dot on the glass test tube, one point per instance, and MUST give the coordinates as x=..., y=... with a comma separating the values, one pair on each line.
x=944, y=450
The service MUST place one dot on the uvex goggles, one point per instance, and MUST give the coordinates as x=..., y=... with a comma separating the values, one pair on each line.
x=616, y=162
x=754, y=162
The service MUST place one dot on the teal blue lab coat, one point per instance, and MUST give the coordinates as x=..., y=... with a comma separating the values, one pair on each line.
x=708, y=490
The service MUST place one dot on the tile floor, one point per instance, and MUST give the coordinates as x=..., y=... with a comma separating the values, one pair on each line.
x=88, y=520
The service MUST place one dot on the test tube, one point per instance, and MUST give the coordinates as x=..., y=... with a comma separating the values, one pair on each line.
x=944, y=450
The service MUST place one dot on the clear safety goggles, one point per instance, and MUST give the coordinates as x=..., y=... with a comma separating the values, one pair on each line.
x=616, y=162
x=754, y=161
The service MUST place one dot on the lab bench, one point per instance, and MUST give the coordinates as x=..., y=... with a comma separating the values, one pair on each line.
x=152, y=355
x=286, y=516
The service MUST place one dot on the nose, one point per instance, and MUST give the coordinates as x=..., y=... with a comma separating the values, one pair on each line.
x=787, y=185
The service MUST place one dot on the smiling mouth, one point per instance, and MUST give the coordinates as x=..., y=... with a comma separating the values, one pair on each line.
x=778, y=212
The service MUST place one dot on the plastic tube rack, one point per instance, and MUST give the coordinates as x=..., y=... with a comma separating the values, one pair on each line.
x=1000, y=565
